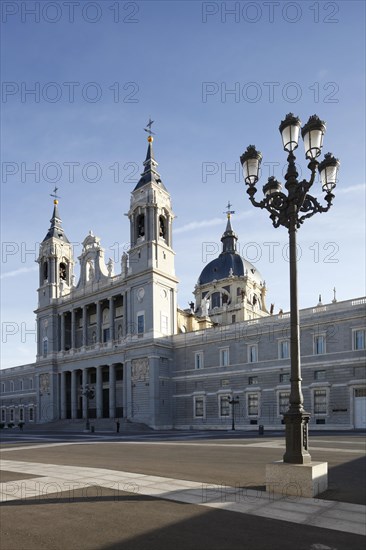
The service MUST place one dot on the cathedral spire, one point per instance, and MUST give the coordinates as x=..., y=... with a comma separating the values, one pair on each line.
x=56, y=229
x=150, y=173
x=229, y=238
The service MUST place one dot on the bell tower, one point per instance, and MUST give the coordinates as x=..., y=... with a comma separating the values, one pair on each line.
x=151, y=218
x=151, y=255
x=56, y=264
x=55, y=261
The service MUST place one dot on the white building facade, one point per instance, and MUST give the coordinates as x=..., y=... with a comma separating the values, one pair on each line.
x=149, y=362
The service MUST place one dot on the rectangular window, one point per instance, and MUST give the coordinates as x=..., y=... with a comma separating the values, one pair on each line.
x=119, y=311
x=198, y=360
x=320, y=375
x=20, y=384
x=283, y=401
x=31, y=414
x=140, y=324
x=320, y=402
x=284, y=349
x=224, y=405
x=164, y=324
x=199, y=407
x=11, y=385
x=358, y=339
x=319, y=345
x=224, y=357
x=106, y=335
x=11, y=415
x=252, y=380
x=285, y=377
x=253, y=353
x=31, y=383
x=233, y=318
x=21, y=415
x=215, y=299
x=253, y=404
x=3, y=415
x=2, y=387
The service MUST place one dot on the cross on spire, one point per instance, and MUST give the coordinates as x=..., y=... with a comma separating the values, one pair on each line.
x=148, y=127
x=228, y=212
x=54, y=194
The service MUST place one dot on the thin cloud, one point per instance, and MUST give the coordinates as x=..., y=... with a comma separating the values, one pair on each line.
x=198, y=225
x=210, y=223
x=17, y=272
x=351, y=189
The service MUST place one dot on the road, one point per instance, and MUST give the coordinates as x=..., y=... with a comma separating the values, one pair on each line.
x=173, y=490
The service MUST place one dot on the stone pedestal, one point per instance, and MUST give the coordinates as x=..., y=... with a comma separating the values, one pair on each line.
x=301, y=480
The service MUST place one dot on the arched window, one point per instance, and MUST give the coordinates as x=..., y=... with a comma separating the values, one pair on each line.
x=140, y=224
x=45, y=270
x=45, y=346
x=162, y=227
x=63, y=271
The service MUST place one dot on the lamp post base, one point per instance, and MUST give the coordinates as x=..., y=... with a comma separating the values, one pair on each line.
x=297, y=438
x=300, y=480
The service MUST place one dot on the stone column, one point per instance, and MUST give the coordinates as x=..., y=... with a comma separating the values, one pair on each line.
x=99, y=391
x=62, y=331
x=73, y=313
x=124, y=389
x=85, y=326
x=112, y=391
x=63, y=395
x=74, y=395
x=111, y=319
x=84, y=383
x=99, y=321
x=52, y=271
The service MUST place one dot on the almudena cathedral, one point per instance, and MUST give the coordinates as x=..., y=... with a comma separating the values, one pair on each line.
x=149, y=362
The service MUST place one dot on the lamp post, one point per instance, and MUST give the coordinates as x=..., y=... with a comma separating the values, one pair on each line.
x=88, y=393
x=290, y=210
x=233, y=401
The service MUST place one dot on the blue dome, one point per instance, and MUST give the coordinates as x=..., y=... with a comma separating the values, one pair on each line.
x=220, y=268
x=229, y=262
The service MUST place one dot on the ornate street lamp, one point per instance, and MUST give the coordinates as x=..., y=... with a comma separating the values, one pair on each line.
x=88, y=393
x=290, y=210
x=233, y=401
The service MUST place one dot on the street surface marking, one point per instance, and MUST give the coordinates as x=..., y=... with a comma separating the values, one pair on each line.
x=259, y=444
x=54, y=480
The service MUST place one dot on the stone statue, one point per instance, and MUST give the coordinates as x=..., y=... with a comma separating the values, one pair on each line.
x=204, y=307
x=110, y=266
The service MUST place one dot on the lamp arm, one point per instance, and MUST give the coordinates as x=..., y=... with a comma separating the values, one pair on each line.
x=251, y=192
x=313, y=164
x=311, y=206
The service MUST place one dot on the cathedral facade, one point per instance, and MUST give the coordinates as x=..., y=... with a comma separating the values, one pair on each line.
x=116, y=346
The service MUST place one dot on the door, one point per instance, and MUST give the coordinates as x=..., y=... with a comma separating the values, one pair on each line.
x=360, y=408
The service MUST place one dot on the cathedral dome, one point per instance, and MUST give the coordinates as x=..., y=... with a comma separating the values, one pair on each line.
x=229, y=263
x=226, y=265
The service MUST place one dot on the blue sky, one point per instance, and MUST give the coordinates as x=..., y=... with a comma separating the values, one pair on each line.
x=214, y=82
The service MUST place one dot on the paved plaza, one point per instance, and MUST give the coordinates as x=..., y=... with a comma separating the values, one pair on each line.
x=173, y=490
